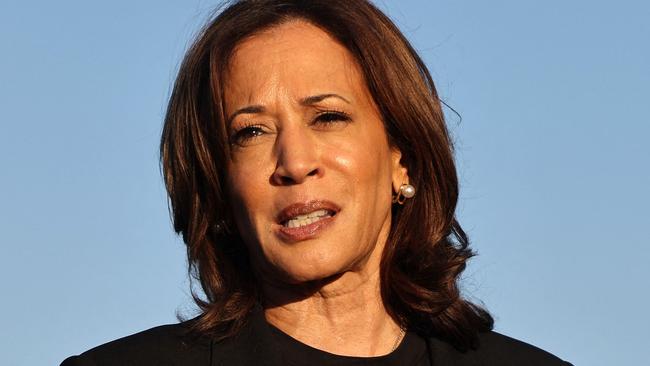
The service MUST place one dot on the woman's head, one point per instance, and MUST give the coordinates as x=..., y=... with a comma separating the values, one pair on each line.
x=311, y=174
x=322, y=104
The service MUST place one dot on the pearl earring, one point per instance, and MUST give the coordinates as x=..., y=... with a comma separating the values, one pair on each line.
x=405, y=191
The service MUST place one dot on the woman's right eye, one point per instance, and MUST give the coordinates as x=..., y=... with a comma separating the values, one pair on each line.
x=246, y=134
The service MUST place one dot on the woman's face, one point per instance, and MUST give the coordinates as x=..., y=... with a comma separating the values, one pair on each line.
x=311, y=173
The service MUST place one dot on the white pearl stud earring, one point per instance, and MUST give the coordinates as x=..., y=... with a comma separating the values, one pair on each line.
x=405, y=191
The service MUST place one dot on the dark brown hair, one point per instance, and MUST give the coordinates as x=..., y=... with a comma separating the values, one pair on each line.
x=426, y=251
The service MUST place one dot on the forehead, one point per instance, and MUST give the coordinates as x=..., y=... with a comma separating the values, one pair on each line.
x=296, y=58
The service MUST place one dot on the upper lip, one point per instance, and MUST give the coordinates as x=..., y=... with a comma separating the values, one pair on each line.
x=303, y=208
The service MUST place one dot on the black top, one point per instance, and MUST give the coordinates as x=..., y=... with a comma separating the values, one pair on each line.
x=412, y=351
x=260, y=344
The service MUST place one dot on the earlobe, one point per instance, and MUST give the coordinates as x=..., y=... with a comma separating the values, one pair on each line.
x=402, y=189
x=400, y=173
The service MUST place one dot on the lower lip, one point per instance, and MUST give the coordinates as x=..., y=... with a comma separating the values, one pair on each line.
x=295, y=234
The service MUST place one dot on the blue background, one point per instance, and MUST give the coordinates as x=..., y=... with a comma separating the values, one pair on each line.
x=552, y=151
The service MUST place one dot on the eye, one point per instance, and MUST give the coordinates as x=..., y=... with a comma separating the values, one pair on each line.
x=246, y=134
x=331, y=117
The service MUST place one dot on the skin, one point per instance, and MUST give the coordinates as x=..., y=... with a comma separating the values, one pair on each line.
x=323, y=291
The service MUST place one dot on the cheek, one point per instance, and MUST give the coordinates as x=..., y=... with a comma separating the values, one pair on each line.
x=249, y=188
x=249, y=172
x=363, y=160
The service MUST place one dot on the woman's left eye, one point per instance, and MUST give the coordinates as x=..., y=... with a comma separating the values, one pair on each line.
x=331, y=117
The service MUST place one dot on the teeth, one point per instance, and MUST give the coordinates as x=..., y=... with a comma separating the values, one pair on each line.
x=303, y=220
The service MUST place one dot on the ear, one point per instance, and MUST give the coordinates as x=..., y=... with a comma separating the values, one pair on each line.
x=399, y=172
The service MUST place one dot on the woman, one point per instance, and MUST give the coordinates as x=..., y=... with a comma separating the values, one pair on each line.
x=311, y=175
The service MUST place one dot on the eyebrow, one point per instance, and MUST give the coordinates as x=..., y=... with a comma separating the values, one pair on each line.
x=251, y=109
x=306, y=101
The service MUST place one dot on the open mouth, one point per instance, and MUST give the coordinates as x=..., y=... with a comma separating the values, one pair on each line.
x=307, y=219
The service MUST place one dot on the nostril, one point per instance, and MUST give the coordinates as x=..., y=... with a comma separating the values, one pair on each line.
x=297, y=175
x=287, y=180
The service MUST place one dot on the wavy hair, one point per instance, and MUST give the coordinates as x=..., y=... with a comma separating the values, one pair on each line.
x=427, y=249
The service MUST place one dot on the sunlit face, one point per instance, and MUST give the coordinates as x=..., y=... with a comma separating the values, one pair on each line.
x=311, y=172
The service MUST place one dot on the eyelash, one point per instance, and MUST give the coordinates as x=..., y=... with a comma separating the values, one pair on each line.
x=245, y=133
x=252, y=130
x=339, y=116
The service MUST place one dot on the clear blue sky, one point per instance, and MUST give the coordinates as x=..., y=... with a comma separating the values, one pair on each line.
x=552, y=148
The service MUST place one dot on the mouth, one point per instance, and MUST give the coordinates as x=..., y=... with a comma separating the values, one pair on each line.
x=301, y=221
x=307, y=219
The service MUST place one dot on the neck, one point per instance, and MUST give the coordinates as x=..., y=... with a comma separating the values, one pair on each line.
x=344, y=316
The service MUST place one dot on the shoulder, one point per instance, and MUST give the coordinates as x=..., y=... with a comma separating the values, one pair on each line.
x=163, y=345
x=493, y=349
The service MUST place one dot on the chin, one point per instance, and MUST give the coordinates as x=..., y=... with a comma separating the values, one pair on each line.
x=304, y=278
x=314, y=267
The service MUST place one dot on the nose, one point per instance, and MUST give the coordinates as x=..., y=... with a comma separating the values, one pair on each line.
x=298, y=157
